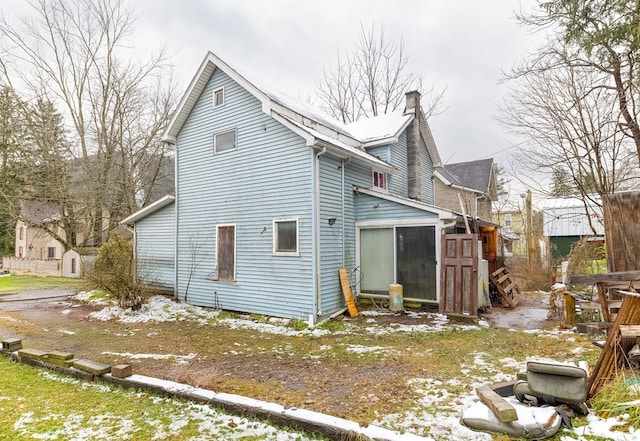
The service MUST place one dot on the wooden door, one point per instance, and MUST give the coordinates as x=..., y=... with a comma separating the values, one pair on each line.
x=459, y=274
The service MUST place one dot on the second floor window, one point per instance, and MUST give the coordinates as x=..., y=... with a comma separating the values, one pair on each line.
x=224, y=141
x=21, y=232
x=379, y=180
x=507, y=220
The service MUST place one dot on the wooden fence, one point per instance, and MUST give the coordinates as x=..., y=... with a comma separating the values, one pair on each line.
x=39, y=267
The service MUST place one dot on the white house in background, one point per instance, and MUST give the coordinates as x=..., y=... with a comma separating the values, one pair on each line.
x=33, y=231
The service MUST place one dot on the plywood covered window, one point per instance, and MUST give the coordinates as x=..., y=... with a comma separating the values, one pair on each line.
x=224, y=141
x=226, y=253
x=285, y=236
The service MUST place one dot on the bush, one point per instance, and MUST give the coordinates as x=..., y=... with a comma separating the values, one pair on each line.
x=114, y=272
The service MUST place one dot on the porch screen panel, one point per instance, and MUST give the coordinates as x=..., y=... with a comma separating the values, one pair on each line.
x=376, y=260
x=416, y=266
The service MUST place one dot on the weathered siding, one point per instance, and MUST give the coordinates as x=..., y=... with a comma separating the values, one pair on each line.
x=426, y=175
x=370, y=208
x=155, y=248
x=331, y=236
x=269, y=176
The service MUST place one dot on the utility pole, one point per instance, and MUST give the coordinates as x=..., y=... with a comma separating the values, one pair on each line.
x=529, y=214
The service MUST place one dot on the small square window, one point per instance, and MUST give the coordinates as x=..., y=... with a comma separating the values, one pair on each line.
x=285, y=236
x=218, y=97
x=379, y=180
x=224, y=141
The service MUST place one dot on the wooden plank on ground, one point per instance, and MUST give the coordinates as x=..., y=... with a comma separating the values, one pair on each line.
x=498, y=405
x=346, y=291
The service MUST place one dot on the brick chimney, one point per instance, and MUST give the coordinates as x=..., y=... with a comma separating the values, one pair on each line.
x=413, y=143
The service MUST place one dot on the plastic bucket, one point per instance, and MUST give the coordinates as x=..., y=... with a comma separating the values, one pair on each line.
x=395, y=298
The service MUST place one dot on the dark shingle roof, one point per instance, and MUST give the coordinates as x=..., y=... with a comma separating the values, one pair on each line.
x=39, y=212
x=475, y=175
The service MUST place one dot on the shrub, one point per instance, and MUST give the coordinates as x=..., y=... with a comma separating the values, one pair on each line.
x=114, y=272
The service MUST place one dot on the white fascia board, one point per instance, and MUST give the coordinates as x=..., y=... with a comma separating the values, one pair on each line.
x=196, y=87
x=390, y=139
x=146, y=211
x=308, y=137
x=442, y=214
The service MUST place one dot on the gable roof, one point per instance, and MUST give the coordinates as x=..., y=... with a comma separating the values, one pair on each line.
x=316, y=128
x=472, y=175
x=146, y=211
x=39, y=213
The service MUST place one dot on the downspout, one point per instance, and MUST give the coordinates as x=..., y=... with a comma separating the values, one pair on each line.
x=175, y=228
x=317, y=232
x=342, y=166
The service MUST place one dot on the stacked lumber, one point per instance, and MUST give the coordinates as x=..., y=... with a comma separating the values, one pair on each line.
x=614, y=353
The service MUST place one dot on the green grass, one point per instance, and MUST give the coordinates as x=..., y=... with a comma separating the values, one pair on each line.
x=35, y=403
x=16, y=283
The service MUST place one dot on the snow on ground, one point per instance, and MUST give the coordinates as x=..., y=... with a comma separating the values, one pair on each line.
x=435, y=416
x=212, y=424
x=180, y=359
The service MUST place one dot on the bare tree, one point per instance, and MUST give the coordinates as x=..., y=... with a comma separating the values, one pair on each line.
x=601, y=36
x=76, y=53
x=571, y=124
x=371, y=80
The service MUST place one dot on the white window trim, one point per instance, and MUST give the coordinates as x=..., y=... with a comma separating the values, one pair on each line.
x=508, y=220
x=224, y=98
x=275, y=237
x=235, y=142
x=235, y=250
x=386, y=181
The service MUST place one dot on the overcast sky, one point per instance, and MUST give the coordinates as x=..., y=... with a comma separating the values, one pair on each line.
x=462, y=45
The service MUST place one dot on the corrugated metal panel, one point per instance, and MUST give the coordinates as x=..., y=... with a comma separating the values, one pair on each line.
x=567, y=217
x=155, y=248
x=268, y=176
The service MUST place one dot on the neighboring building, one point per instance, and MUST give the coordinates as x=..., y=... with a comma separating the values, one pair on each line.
x=76, y=262
x=467, y=186
x=566, y=221
x=34, y=239
x=513, y=242
x=273, y=198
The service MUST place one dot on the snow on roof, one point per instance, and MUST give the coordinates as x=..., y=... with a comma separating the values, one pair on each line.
x=351, y=139
x=379, y=127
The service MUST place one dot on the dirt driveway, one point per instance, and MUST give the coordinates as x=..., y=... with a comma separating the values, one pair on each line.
x=348, y=371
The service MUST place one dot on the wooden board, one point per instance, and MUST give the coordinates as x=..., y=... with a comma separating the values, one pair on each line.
x=500, y=407
x=346, y=291
x=506, y=286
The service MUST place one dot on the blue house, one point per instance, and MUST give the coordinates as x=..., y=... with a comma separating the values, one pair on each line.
x=272, y=198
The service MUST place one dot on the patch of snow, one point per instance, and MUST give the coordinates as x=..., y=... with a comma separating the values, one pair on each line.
x=157, y=309
x=359, y=349
x=66, y=332
x=180, y=359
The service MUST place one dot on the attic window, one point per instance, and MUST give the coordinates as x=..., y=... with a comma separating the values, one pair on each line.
x=224, y=141
x=218, y=97
x=507, y=220
x=379, y=180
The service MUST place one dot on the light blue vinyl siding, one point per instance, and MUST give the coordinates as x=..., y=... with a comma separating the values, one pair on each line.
x=396, y=155
x=269, y=176
x=155, y=248
x=370, y=208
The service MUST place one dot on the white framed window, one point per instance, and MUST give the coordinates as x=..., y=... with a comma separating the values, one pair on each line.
x=224, y=141
x=379, y=180
x=218, y=97
x=226, y=253
x=507, y=221
x=285, y=237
